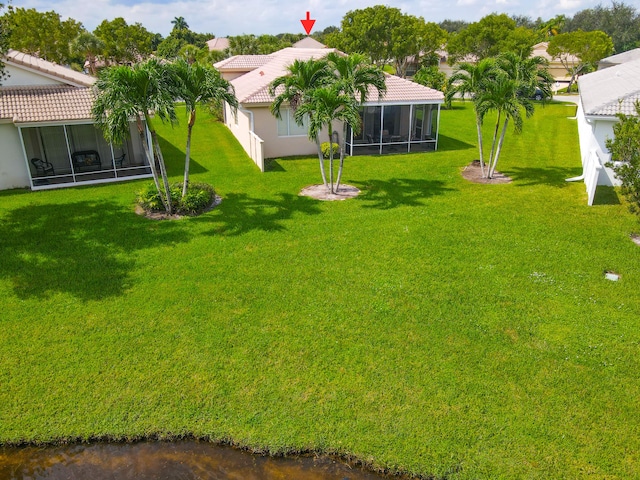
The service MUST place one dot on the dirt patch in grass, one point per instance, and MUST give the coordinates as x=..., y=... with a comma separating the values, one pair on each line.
x=473, y=173
x=635, y=238
x=156, y=215
x=320, y=192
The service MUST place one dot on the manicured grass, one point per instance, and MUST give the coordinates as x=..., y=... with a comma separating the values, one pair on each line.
x=432, y=326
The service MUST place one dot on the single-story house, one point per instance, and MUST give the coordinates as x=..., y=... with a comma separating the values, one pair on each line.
x=555, y=68
x=405, y=119
x=603, y=95
x=47, y=133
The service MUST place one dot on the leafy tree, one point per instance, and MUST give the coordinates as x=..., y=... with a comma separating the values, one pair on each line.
x=625, y=153
x=453, y=26
x=431, y=77
x=243, y=45
x=492, y=35
x=579, y=52
x=368, y=31
x=88, y=46
x=4, y=43
x=170, y=47
x=125, y=93
x=620, y=21
x=552, y=27
x=199, y=84
x=413, y=38
x=42, y=34
x=124, y=43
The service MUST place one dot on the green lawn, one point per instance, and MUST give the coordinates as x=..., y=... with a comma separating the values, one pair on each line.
x=431, y=326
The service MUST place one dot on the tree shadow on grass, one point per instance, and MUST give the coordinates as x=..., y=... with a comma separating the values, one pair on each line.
x=551, y=176
x=446, y=144
x=82, y=248
x=174, y=159
x=387, y=194
x=239, y=213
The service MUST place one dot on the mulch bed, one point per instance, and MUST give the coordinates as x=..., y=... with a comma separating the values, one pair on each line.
x=473, y=173
x=156, y=215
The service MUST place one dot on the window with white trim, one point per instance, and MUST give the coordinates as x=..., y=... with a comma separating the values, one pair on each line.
x=287, y=126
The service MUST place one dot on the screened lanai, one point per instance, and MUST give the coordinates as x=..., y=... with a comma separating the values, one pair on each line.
x=395, y=129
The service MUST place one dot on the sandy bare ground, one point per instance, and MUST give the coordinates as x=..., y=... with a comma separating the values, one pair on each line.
x=319, y=192
x=473, y=173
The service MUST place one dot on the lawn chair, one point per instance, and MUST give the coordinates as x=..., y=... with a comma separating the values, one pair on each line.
x=120, y=160
x=43, y=167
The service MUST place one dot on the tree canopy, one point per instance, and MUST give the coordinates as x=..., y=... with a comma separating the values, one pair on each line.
x=4, y=43
x=124, y=43
x=625, y=153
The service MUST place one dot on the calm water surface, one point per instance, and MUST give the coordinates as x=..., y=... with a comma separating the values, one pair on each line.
x=166, y=460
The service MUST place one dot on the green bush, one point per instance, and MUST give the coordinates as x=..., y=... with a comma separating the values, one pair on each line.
x=199, y=197
x=325, y=149
x=625, y=156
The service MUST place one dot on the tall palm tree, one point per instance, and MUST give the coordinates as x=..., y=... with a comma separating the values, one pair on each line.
x=322, y=107
x=294, y=88
x=530, y=72
x=355, y=77
x=199, y=84
x=470, y=80
x=502, y=96
x=179, y=23
x=123, y=93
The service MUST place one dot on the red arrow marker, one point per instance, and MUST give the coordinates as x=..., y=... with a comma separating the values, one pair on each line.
x=308, y=24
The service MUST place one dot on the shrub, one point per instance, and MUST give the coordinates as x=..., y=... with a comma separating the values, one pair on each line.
x=198, y=198
x=625, y=153
x=325, y=149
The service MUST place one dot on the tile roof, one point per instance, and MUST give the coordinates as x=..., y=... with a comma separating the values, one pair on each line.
x=253, y=87
x=242, y=62
x=612, y=90
x=309, y=42
x=45, y=103
x=221, y=43
x=49, y=68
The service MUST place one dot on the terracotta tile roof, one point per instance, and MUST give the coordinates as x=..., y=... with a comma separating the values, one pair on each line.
x=612, y=90
x=45, y=103
x=242, y=62
x=253, y=87
x=221, y=43
x=63, y=73
x=309, y=42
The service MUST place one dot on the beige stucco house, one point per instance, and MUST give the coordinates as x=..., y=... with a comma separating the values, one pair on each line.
x=603, y=95
x=47, y=133
x=405, y=119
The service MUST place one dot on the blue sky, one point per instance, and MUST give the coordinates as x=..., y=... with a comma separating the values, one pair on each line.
x=235, y=17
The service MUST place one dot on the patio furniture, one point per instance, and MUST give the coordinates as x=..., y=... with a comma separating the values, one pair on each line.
x=86, y=160
x=120, y=160
x=43, y=167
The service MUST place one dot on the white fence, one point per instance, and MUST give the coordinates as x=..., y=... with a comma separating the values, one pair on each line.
x=256, y=150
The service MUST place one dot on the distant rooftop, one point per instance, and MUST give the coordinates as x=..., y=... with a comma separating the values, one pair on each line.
x=623, y=57
x=219, y=44
x=308, y=42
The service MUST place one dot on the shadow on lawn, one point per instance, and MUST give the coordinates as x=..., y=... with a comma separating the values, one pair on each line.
x=551, y=176
x=446, y=144
x=606, y=196
x=239, y=213
x=81, y=248
x=174, y=159
x=386, y=194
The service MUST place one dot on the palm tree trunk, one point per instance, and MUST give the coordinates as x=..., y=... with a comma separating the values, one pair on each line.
x=480, y=146
x=321, y=158
x=151, y=160
x=493, y=145
x=495, y=162
x=342, y=146
x=330, y=159
x=185, y=183
x=163, y=171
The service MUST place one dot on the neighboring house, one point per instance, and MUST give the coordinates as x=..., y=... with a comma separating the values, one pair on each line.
x=218, y=44
x=604, y=94
x=556, y=69
x=623, y=57
x=47, y=133
x=405, y=119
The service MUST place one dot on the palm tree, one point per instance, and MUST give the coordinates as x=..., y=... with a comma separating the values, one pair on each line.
x=531, y=73
x=502, y=96
x=199, y=84
x=322, y=107
x=469, y=80
x=294, y=88
x=123, y=93
x=355, y=76
x=89, y=46
x=179, y=23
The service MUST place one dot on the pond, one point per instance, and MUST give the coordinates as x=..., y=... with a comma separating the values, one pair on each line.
x=183, y=460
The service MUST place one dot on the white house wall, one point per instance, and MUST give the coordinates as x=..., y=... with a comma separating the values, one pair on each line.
x=20, y=77
x=13, y=171
x=593, y=134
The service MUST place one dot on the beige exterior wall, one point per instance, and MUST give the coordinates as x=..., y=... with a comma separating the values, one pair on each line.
x=13, y=170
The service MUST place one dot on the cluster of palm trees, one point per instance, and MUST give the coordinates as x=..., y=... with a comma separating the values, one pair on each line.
x=322, y=91
x=125, y=94
x=504, y=85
